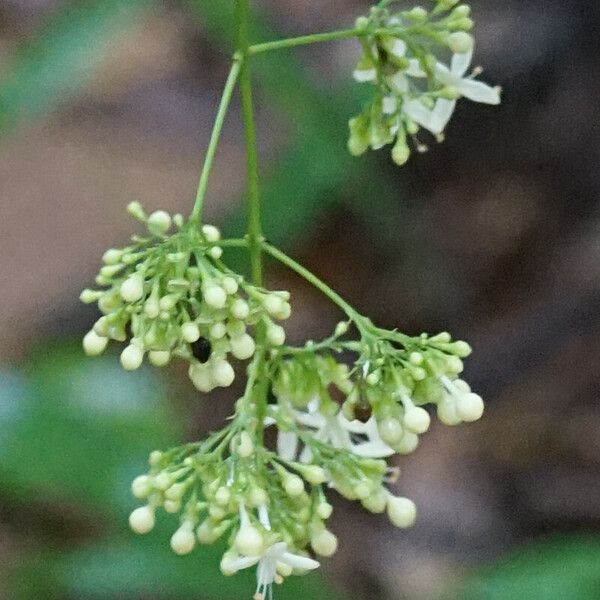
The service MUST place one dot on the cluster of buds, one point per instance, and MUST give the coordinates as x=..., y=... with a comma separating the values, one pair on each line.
x=404, y=57
x=171, y=296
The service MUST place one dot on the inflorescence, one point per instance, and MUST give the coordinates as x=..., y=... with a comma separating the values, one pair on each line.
x=339, y=408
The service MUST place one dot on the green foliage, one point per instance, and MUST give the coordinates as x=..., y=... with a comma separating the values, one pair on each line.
x=561, y=568
x=73, y=434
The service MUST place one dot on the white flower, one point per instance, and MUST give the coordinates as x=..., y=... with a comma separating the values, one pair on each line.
x=334, y=430
x=272, y=564
x=468, y=87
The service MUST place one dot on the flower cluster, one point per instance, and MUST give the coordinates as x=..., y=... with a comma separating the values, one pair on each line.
x=171, y=296
x=336, y=424
x=403, y=58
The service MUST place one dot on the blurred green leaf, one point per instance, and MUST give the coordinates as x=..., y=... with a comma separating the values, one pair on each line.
x=80, y=428
x=563, y=568
x=146, y=567
x=58, y=61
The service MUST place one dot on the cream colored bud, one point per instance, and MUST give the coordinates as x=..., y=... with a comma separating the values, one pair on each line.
x=141, y=520
x=141, y=487
x=151, y=308
x=211, y=233
x=324, y=543
x=132, y=289
x=248, y=541
x=230, y=285
x=132, y=357
x=470, y=407
x=362, y=490
x=112, y=256
x=375, y=502
x=275, y=334
x=206, y=533
x=460, y=42
x=447, y=412
x=190, y=332
x=417, y=419
x=172, y=506
x=183, y=540
x=223, y=496
x=215, y=252
x=201, y=376
x=214, y=295
x=402, y=512
x=159, y=222
x=240, y=309
x=257, y=497
x=242, y=347
x=159, y=358
x=408, y=444
x=416, y=358
x=162, y=481
x=222, y=373
x=390, y=430
x=324, y=510
x=245, y=446
x=93, y=344
x=217, y=331
x=314, y=475
x=135, y=210
x=293, y=485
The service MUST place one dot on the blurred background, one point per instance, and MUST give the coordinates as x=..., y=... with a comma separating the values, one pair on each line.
x=493, y=235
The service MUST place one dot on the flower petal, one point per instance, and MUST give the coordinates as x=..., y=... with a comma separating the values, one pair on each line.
x=418, y=112
x=364, y=75
x=287, y=445
x=395, y=46
x=442, y=73
x=479, y=91
x=372, y=450
x=296, y=561
x=414, y=68
x=234, y=565
x=442, y=111
x=398, y=82
x=316, y=421
x=461, y=62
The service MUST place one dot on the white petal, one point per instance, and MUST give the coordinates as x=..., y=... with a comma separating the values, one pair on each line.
x=398, y=82
x=442, y=73
x=269, y=421
x=306, y=455
x=241, y=562
x=299, y=562
x=479, y=92
x=372, y=450
x=287, y=445
x=316, y=421
x=414, y=68
x=364, y=75
x=389, y=105
x=396, y=47
x=461, y=62
x=442, y=111
x=418, y=112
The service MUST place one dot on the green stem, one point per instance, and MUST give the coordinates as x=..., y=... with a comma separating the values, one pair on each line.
x=254, y=225
x=313, y=280
x=214, y=139
x=303, y=40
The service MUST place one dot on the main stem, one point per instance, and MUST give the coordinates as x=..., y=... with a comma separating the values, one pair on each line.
x=254, y=225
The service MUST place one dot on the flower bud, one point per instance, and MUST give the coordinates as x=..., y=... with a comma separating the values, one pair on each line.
x=314, y=474
x=408, y=444
x=141, y=520
x=276, y=306
x=158, y=222
x=257, y=497
x=223, y=496
x=211, y=233
x=132, y=357
x=151, y=308
x=230, y=285
x=214, y=295
x=460, y=42
x=240, y=309
x=162, y=481
x=206, y=533
x=201, y=377
x=293, y=485
x=324, y=542
x=141, y=486
x=402, y=512
x=447, y=412
x=400, y=151
x=136, y=211
x=245, y=447
x=469, y=407
x=93, y=344
x=159, y=358
x=417, y=419
x=390, y=430
x=183, y=540
x=242, y=347
x=217, y=330
x=248, y=541
x=324, y=510
x=275, y=334
x=222, y=373
x=112, y=256
x=376, y=502
x=190, y=332
x=215, y=252
x=132, y=289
